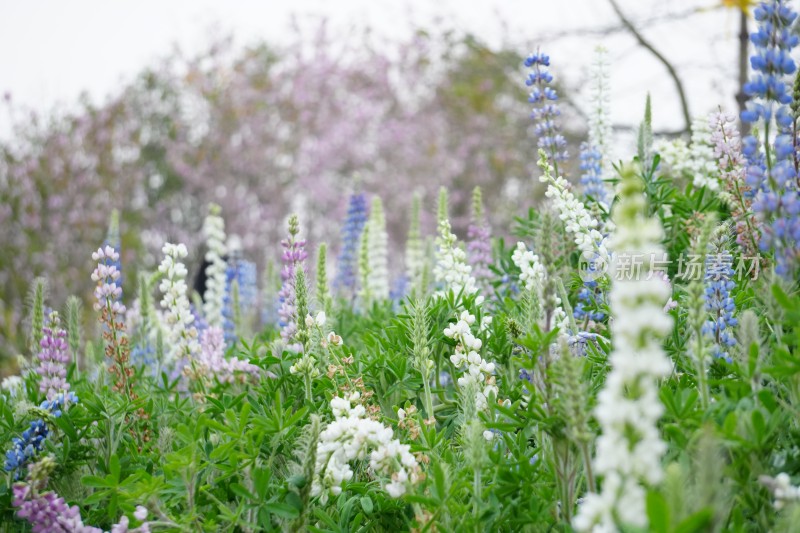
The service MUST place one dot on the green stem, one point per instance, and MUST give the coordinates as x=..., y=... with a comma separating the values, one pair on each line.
x=428, y=398
x=587, y=466
x=307, y=382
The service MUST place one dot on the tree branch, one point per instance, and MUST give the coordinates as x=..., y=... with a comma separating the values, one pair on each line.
x=670, y=69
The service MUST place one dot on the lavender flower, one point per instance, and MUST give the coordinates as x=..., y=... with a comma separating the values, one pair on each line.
x=347, y=272
x=294, y=256
x=545, y=111
x=479, y=245
x=107, y=275
x=53, y=358
x=47, y=512
x=211, y=362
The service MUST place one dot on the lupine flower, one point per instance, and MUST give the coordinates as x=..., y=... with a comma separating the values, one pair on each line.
x=47, y=512
x=347, y=267
x=479, y=244
x=107, y=275
x=452, y=271
x=773, y=180
x=353, y=436
x=782, y=489
x=718, y=301
x=214, y=232
x=294, y=256
x=577, y=219
x=243, y=273
x=59, y=402
x=415, y=248
x=545, y=112
x=24, y=448
x=114, y=240
x=377, y=253
x=629, y=451
x=589, y=296
x=12, y=385
x=178, y=319
x=595, y=153
x=467, y=356
x=533, y=274
x=212, y=364
x=53, y=358
x=702, y=165
x=728, y=151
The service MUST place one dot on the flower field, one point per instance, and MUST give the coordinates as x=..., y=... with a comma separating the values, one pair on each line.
x=621, y=355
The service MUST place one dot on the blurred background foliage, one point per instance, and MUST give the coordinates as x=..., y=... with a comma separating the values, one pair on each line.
x=263, y=132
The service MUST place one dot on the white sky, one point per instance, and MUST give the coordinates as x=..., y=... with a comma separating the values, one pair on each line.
x=52, y=50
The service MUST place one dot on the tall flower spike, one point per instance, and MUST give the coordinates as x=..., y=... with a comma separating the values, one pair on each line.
x=377, y=243
x=452, y=271
x=728, y=150
x=415, y=248
x=213, y=299
x=596, y=152
x=702, y=164
x=629, y=451
x=719, y=303
x=294, y=257
x=346, y=282
x=479, y=244
x=241, y=291
x=108, y=294
x=776, y=201
x=179, y=321
x=53, y=358
x=577, y=219
x=545, y=111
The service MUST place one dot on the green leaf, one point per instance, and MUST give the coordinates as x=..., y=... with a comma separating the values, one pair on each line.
x=658, y=513
x=781, y=297
x=366, y=504
x=241, y=490
x=700, y=521
x=282, y=510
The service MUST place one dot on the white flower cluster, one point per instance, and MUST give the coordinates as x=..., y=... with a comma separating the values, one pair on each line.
x=178, y=318
x=577, y=219
x=696, y=159
x=378, y=253
x=353, y=436
x=213, y=300
x=13, y=386
x=107, y=275
x=630, y=448
x=467, y=355
x=782, y=489
x=703, y=164
x=451, y=269
x=533, y=273
x=533, y=278
x=600, y=131
x=674, y=156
